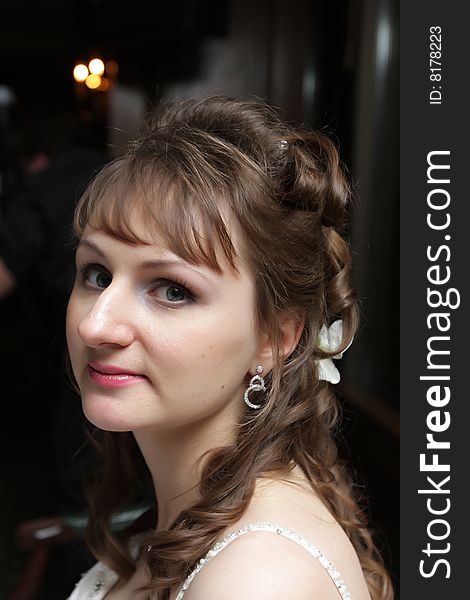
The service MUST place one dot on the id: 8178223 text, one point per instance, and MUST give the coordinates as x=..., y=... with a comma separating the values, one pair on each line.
x=435, y=64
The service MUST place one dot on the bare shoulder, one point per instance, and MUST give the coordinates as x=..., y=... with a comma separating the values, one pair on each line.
x=264, y=566
x=293, y=504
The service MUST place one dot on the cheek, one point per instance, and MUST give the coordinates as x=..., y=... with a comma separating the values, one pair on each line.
x=210, y=340
x=212, y=355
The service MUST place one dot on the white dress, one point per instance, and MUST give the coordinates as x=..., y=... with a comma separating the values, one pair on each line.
x=96, y=583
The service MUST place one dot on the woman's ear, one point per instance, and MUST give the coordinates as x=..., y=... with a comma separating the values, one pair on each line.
x=290, y=329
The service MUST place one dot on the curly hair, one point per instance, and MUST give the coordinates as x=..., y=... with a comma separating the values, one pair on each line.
x=288, y=192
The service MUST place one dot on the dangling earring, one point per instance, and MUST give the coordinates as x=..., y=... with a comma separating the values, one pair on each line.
x=256, y=385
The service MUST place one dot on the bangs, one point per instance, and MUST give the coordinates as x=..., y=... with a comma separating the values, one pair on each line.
x=181, y=210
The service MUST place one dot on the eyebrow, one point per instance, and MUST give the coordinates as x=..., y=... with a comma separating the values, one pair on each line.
x=147, y=264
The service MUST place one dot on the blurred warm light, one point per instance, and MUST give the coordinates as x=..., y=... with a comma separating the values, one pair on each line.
x=104, y=85
x=96, y=66
x=93, y=81
x=80, y=73
x=93, y=74
x=112, y=67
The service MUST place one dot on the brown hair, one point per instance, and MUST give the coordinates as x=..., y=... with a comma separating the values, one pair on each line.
x=289, y=196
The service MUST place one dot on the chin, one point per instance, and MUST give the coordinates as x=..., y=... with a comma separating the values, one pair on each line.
x=103, y=414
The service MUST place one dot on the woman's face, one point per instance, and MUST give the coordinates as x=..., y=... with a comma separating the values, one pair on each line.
x=155, y=341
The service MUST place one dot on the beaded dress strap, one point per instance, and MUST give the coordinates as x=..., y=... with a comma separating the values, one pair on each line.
x=273, y=528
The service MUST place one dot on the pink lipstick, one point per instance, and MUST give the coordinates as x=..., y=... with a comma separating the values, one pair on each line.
x=112, y=376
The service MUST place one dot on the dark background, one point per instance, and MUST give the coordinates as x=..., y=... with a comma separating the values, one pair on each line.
x=329, y=65
x=428, y=128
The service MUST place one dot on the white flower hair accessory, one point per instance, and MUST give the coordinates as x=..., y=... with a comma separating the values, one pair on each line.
x=329, y=340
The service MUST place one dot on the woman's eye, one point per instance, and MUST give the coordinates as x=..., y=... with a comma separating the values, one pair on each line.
x=171, y=292
x=175, y=294
x=95, y=276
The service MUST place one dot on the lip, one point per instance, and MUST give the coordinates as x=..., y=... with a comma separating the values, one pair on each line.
x=111, y=369
x=112, y=376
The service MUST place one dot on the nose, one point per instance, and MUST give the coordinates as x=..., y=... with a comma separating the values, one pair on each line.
x=108, y=320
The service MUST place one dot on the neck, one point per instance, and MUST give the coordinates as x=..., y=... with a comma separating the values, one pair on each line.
x=173, y=458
